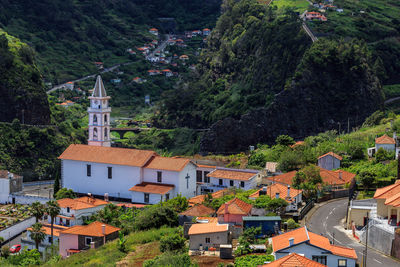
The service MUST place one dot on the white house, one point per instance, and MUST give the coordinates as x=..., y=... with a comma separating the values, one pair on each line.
x=222, y=178
x=329, y=161
x=387, y=143
x=76, y=211
x=131, y=174
x=313, y=247
x=153, y=31
x=9, y=183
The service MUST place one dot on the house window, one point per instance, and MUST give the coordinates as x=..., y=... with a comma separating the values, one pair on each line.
x=146, y=198
x=105, y=132
x=159, y=177
x=89, y=170
x=166, y=197
x=49, y=238
x=67, y=222
x=320, y=259
x=199, y=177
x=241, y=184
x=342, y=263
x=206, y=179
x=208, y=240
x=88, y=240
x=95, y=133
x=231, y=183
x=68, y=209
x=105, y=118
x=94, y=119
x=109, y=172
x=220, y=182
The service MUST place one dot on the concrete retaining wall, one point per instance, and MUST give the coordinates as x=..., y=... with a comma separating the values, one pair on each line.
x=17, y=229
x=378, y=239
x=24, y=199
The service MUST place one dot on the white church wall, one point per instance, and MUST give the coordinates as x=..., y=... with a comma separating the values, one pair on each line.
x=190, y=169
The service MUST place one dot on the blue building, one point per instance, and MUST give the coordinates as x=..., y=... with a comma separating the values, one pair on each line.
x=269, y=224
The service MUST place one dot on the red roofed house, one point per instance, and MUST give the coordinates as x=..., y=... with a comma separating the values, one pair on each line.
x=140, y=176
x=388, y=203
x=184, y=57
x=195, y=211
x=167, y=73
x=316, y=16
x=76, y=211
x=314, y=247
x=233, y=211
x=294, y=260
x=153, y=31
x=206, y=32
x=30, y=243
x=207, y=235
x=291, y=195
x=387, y=143
x=82, y=237
x=329, y=161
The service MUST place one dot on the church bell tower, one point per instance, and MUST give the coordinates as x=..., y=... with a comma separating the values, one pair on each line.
x=99, y=116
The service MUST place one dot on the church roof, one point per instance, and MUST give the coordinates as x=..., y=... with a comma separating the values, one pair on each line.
x=108, y=155
x=152, y=188
x=99, y=90
x=167, y=164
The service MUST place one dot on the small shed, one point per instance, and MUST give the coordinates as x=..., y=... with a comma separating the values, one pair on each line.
x=269, y=224
x=225, y=251
x=329, y=161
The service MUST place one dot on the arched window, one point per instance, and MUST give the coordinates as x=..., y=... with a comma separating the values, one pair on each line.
x=105, y=132
x=94, y=119
x=105, y=118
x=95, y=133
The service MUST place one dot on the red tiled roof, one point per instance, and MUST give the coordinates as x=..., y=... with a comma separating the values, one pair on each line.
x=200, y=198
x=47, y=229
x=198, y=210
x=153, y=29
x=385, y=139
x=129, y=205
x=205, y=228
x=293, y=260
x=235, y=206
x=285, y=178
x=168, y=164
x=206, y=166
x=278, y=188
x=93, y=229
x=331, y=154
x=232, y=174
x=387, y=192
x=298, y=143
x=301, y=235
x=109, y=155
x=80, y=203
x=152, y=188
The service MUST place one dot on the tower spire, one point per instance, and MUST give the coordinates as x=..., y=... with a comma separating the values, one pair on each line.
x=99, y=90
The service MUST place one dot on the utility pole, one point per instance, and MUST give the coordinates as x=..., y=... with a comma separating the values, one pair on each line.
x=339, y=127
x=348, y=125
x=366, y=242
x=333, y=241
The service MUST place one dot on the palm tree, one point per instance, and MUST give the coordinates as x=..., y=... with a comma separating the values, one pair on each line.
x=38, y=210
x=38, y=234
x=53, y=209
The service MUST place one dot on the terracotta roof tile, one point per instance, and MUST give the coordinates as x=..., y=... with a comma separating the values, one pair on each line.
x=198, y=210
x=293, y=260
x=168, y=164
x=200, y=198
x=108, y=155
x=235, y=206
x=285, y=178
x=331, y=154
x=206, y=166
x=209, y=219
x=387, y=192
x=385, y=139
x=232, y=174
x=205, y=228
x=278, y=188
x=301, y=235
x=152, y=188
x=93, y=229
x=298, y=143
x=80, y=203
x=56, y=229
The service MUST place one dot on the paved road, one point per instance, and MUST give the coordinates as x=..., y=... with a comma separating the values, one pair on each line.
x=161, y=47
x=327, y=222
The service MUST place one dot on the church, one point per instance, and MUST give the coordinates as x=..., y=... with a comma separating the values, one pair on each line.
x=139, y=176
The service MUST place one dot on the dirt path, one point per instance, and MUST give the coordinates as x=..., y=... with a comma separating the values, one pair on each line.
x=141, y=253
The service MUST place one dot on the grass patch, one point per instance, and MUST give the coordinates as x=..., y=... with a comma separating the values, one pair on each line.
x=297, y=5
x=365, y=195
x=392, y=90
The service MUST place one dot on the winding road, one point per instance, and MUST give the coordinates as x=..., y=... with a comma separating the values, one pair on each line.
x=327, y=221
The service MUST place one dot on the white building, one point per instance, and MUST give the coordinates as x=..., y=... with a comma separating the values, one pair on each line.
x=387, y=143
x=138, y=175
x=222, y=178
x=9, y=183
x=76, y=211
x=313, y=247
x=27, y=241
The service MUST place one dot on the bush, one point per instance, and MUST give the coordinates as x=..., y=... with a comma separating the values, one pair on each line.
x=26, y=258
x=65, y=193
x=172, y=243
x=169, y=259
x=253, y=260
x=291, y=224
x=284, y=140
x=155, y=217
x=382, y=155
x=5, y=251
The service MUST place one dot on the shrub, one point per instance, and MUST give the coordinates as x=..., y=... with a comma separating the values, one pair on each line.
x=291, y=224
x=172, y=243
x=5, y=251
x=253, y=260
x=169, y=259
x=284, y=140
x=65, y=193
x=155, y=217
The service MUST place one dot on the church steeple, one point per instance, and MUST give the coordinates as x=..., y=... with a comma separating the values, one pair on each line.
x=99, y=116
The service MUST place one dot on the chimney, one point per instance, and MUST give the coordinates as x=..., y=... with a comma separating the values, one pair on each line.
x=276, y=195
x=89, y=194
x=340, y=175
x=103, y=231
x=226, y=208
x=288, y=191
x=92, y=244
x=106, y=197
x=291, y=241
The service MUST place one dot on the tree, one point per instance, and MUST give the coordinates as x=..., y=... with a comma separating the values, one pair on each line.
x=312, y=174
x=290, y=160
x=65, y=193
x=367, y=179
x=37, y=233
x=121, y=242
x=56, y=186
x=250, y=234
x=38, y=210
x=291, y=224
x=5, y=251
x=172, y=242
x=53, y=209
x=178, y=203
x=382, y=155
x=277, y=204
x=284, y=140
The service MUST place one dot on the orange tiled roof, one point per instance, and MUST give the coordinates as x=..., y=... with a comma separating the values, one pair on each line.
x=153, y=29
x=80, y=203
x=235, y=206
x=108, y=155
x=168, y=164
x=285, y=178
x=200, y=198
x=301, y=235
x=47, y=229
x=152, y=188
x=294, y=260
x=4, y=174
x=387, y=192
x=209, y=219
x=232, y=174
x=93, y=229
x=198, y=210
x=278, y=188
x=385, y=139
x=205, y=228
x=298, y=143
x=331, y=154
x=206, y=166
